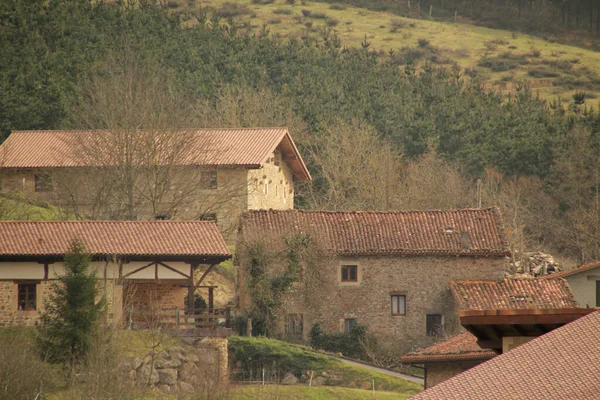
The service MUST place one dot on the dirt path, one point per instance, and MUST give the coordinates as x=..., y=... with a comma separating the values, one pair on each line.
x=411, y=378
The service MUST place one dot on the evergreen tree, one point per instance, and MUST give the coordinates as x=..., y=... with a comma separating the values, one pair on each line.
x=71, y=314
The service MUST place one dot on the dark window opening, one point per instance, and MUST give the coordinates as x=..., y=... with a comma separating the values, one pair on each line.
x=277, y=159
x=162, y=217
x=294, y=324
x=435, y=324
x=208, y=217
x=43, y=183
x=398, y=305
x=349, y=323
x=27, y=296
x=597, y=293
x=209, y=180
x=349, y=273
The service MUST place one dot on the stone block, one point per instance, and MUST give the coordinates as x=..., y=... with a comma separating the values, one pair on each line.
x=289, y=379
x=167, y=376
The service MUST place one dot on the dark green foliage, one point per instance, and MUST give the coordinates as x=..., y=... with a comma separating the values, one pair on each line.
x=199, y=303
x=229, y=10
x=503, y=62
x=285, y=11
x=257, y=354
x=352, y=345
x=71, y=315
x=541, y=72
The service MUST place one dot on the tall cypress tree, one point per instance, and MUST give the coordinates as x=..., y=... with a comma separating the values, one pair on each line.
x=72, y=312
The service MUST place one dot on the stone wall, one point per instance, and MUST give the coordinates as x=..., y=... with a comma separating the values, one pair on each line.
x=439, y=372
x=10, y=315
x=154, y=295
x=424, y=280
x=583, y=285
x=272, y=186
x=199, y=366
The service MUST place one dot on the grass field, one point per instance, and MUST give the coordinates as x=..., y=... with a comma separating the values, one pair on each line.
x=269, y=392
x=500, y=59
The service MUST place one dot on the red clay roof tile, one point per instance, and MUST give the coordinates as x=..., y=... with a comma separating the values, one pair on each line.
x=457, y=348
x=241, y=147
x=512, y=294
x=472, y=232
x=564, y=363
x=165, y=238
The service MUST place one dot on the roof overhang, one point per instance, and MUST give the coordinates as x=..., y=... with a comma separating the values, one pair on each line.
x=490, y=326
x=291, y=156
x=125, y=258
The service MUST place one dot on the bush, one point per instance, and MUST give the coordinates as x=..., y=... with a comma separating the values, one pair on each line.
x=22, y=375
x=542, y=73
x=230, y=10
x=423, y=43
x=351, y=345
x=503, y=62
x=263, y=1
x=407, y=55
x=337, y=6
x=290, y=2
x=285, y=11
x=396, y=24
x=332, y=22
x=173, y=4
x=319, y=15
x=306, y=13
x=275, y=21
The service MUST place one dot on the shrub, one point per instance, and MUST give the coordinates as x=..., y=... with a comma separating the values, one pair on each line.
x=308, y=24
x=332, y=22
x=22, y=375
x=503, y=62
x=396, y=24
x=423, y=43
x=337, y=6
x=351, y=345
x=285, y=11
x=173, y=4
x=408, y=55
x=542, y=72
x=230, y=10
x=579, y=98
x=275, y=21
x=291, y=2
x=535, y=52
x=307, y=13
x=319, y=15
x=263, y=1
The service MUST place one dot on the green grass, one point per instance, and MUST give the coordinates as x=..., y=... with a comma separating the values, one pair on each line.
x=285, y=357
x=463, y=43
x=253, y=392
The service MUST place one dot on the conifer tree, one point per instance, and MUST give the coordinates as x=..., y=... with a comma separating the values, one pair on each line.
x=71, y=314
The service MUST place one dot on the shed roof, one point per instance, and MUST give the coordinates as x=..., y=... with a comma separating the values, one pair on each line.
x=472, y=232
x=564, y=362
x=238, y=147
x=460, y=347
x=513, y=294
x=119, y=238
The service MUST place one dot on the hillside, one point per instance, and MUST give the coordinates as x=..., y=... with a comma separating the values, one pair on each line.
x=500, y=59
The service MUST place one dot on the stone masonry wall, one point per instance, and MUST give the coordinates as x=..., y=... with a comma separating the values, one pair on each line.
x=10, y=315
x=272, y=186
x=440, y=372
x=154, y=295
x=424, y=280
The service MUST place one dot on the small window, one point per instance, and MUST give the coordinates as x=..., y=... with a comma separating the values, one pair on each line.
x=208, y=217
x=266, y=188
x=209, y=180
x=43, y=183
x=349, y=273
x=294, y=324
x=349, y=323
x=398, y=304
x=27, y=296
x=435, y=324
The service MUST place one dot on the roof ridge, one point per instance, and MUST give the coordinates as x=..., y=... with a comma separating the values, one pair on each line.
x=181, y=129
x=371, y=211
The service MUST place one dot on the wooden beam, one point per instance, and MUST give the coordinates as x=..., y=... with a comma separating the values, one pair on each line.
x=46, y=271
x=204, y=275
x=519, y=330
x=135, y=271
x=173, y=269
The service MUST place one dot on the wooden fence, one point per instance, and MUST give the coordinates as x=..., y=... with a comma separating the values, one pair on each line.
x=175, y=318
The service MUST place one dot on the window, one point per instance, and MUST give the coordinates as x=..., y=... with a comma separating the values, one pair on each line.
x=294, y=324
x=435, y=324
x=208, y=180
x=43, y=183
x=208, y=217
x=398, y=304
x=349, y=273
x=597, y=293
x=349, y=323
x=27, y=297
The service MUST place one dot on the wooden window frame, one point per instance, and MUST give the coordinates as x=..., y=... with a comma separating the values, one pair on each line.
x=34, y=292
x=347, y=277
x=352, y=325
x=428, y=331
x=294, y=324
x=397, y=296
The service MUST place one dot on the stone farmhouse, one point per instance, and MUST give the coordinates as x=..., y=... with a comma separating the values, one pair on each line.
x=486, y=299
x=207, y=174
x=389, y=270
x=140, y=265
x=584, y=281
x=561, y=364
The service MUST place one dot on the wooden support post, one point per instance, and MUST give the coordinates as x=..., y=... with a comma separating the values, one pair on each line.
x=430, y=9
x=177, y=317
x=228, y=317
x=249, y=327
x=210, y=299
x=191, y=290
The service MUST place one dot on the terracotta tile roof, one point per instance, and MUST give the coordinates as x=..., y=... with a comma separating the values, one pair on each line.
x=455, y=232
x=563, y=364
x=513, y=294
x=250, y=148
x=460, y=347
x=573, y=271
x=135, y=238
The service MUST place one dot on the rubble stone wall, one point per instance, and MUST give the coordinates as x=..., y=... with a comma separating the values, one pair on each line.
x=272, y=186
x=440, y=372
x=10, y=315
x=424, y=280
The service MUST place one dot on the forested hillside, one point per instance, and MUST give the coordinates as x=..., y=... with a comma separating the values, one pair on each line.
x=376, y=134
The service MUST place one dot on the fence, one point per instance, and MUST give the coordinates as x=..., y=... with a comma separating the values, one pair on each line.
x=176, y=318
